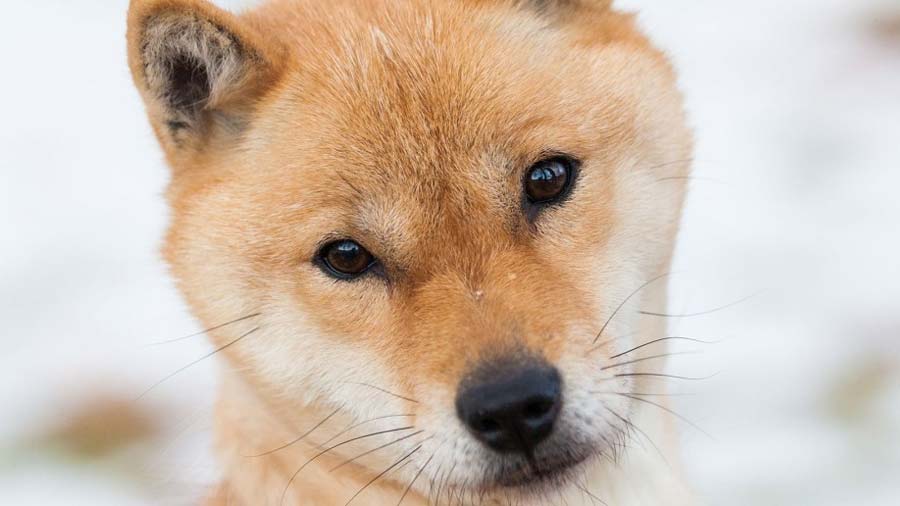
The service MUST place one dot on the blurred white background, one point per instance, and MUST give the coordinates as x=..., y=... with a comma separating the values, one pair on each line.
x=797, y=111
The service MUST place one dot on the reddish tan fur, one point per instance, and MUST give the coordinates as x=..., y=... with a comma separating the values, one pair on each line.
x=406, y=125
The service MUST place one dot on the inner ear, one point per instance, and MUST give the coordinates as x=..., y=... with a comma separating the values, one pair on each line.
x=189, y=86
x=198, y=68
x=191, y=64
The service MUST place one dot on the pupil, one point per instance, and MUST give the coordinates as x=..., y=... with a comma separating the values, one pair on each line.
x=543, y=175
x=547, y=181
x=346, y=259
x=347, y=256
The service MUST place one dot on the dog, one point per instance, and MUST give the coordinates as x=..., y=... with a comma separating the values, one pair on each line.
x=425, y=236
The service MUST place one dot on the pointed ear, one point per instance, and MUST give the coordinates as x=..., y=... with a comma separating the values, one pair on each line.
x=199, y=69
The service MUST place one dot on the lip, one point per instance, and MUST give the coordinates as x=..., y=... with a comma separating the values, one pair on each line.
x=548, y=473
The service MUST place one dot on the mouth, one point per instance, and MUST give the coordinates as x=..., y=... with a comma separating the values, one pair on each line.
x=546, y=473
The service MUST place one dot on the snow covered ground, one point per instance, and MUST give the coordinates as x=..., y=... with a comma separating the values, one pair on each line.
x=797, y=111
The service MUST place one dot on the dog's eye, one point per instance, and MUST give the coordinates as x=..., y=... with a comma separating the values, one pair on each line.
x=346, y=259
x=548, y=180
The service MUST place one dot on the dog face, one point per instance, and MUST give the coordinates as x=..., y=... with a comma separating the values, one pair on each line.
x=442, y=209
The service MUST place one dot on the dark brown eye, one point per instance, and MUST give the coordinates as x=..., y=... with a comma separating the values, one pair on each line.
x=346, y=259
x=548, y=180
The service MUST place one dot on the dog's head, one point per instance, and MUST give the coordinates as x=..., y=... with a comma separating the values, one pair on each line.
x=447, y=209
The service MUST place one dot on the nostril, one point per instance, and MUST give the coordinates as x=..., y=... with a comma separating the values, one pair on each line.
x=486, y=425
x=538, y=409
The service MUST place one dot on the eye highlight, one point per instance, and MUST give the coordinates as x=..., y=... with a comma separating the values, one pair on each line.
x=345, y=259
x=549, y=180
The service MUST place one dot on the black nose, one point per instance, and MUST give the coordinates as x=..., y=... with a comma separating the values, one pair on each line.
x=515, y=409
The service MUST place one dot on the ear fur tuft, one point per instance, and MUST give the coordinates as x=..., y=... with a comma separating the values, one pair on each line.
x=549, y=5
x=195, y=65
x=189, y=63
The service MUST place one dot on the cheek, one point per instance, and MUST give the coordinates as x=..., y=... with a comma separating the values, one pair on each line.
x=317, y=343
x=351, y=312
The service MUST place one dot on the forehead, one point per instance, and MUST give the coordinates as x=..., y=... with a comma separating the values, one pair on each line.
x=417, y=81
x=408, y=120
x=435, y=88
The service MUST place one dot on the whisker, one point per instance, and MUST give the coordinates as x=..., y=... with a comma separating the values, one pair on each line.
x=669, y=164
x=297, y=440
x=692, y=178
x=637, y=429
x=612, y=340
x=446, y=485
x=389, y=469
x=671, y=412
x=700, y=313
x=619, y=308
x=458, y=492
x=373, y=450
x=432, y=482
x=661, y=340
x=659, y=375
x=594, y=499
x=614, y=459
x=383, y=391
x=598, y=392
x=645, y=359
x=195, y=362
x=350, y=428
x=323, y=452
x=217, y=327
x=416, y=477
